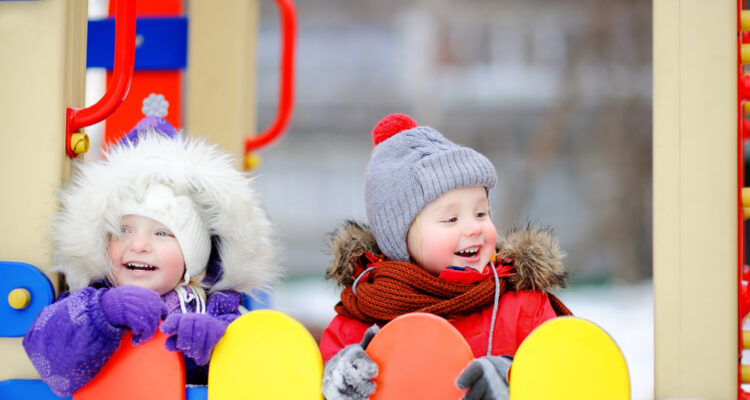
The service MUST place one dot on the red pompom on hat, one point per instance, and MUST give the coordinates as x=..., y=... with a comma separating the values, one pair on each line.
x=390, y=125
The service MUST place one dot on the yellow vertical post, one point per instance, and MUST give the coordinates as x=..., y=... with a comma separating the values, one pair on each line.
x=221, y=71
x=43, y=67
x=695, y=199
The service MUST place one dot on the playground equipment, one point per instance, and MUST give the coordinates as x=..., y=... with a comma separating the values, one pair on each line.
x=697, y=179
x=700, y=92
x=44, y=50
x=220, y=95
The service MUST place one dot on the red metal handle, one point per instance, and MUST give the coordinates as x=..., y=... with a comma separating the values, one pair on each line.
x=286, y=87
x=122, y=75
x=743, y=91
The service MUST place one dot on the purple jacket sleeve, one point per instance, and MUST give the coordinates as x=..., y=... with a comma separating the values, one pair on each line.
x=70, y=341
x=224, y=305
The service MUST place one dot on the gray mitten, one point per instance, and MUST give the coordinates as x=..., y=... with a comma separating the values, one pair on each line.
x=348, y=375
x=486, y=378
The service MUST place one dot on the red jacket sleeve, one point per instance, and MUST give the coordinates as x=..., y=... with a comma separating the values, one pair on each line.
x=340, y=333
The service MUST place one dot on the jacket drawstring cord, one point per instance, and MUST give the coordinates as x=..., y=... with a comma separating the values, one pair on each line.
x=494, y=308
x=186, y=298
x=354, y=285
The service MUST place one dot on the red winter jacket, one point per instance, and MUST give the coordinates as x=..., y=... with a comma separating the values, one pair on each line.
x=517, y=315
x=538, y=268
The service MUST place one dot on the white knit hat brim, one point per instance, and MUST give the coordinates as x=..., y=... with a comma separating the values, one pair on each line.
x=181, y=216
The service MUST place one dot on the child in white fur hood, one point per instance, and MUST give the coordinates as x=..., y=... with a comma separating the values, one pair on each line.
x=163, y=228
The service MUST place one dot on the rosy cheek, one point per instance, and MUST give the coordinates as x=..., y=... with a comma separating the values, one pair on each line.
x=491, y=237
x=114, y=254
x=439, y=248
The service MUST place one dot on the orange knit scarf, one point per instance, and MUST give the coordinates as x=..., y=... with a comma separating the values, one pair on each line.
x=394, y=288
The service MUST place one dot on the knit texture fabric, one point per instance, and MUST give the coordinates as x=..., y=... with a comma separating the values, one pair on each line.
x=408, y=170
x=394, y=288
x=133, y=308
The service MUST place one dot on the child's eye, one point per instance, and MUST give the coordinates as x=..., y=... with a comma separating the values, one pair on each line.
x=163, y=233
x=124, y=229
x=481, y=214
x=450, y=220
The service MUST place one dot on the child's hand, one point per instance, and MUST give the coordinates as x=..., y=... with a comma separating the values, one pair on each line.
x=195, y=335
x=134, y=308
x=486, y=378
x=348, y=375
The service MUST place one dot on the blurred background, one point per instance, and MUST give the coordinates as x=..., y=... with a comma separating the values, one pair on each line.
x=557, y=93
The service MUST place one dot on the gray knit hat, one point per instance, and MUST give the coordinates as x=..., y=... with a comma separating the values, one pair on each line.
x=410, y=167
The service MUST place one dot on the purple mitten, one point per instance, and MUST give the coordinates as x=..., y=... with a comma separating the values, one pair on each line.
x=195, y=335
x=134, y=308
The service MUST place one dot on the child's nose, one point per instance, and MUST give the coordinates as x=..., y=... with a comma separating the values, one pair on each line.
x=472, y=227
x=140, y=244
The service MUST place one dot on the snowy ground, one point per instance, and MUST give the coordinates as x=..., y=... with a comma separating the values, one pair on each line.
x=625, y=312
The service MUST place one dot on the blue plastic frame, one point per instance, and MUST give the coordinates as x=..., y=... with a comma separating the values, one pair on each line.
x=15, y=275
x=161, y=43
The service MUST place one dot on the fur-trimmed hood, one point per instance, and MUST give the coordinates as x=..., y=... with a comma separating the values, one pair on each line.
x=536, y=253
x=90, y=207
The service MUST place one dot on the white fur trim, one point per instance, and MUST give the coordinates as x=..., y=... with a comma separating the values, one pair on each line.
x=92, y=201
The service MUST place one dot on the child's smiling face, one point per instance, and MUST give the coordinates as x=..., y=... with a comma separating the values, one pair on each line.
x=146, y=254
x=453, y=230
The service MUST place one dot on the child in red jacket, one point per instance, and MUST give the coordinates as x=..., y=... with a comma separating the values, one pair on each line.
x=430, y=246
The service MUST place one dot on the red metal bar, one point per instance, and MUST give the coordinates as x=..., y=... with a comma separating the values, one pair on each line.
x=743, y=85
x=286, y=87
x=742, y=292
x=122, y=75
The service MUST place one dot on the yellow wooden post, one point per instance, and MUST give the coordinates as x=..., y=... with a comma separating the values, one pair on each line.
x=43, y=67
x=695, y=199
x=221, y=71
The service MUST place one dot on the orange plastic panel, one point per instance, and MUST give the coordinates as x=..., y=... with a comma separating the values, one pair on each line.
x=419, y=356
x=147, y=371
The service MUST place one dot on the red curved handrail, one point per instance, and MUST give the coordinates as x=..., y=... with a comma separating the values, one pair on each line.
x=286, y=87
x=122, y=75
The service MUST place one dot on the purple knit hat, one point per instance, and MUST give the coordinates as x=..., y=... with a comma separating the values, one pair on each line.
x=155, y=109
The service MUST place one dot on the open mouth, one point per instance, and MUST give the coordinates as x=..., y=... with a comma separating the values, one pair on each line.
x=468, y=252
x=139, y=267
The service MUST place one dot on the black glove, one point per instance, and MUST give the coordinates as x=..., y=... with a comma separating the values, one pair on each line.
x=486, y=378
x=348, y=375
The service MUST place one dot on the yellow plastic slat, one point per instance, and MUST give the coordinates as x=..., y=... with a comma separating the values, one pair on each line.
x=745, y=373
x=746, y=197
x=745, y=20
x=745, y=53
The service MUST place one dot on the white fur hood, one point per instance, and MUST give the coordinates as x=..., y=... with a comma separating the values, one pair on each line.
x=226, y=198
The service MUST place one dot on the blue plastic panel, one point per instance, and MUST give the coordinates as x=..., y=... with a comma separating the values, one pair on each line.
x=38, y=390
x=261, y=301
x=196, y=393
x=14, y=323
x=27, y=389
x=161, y=43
